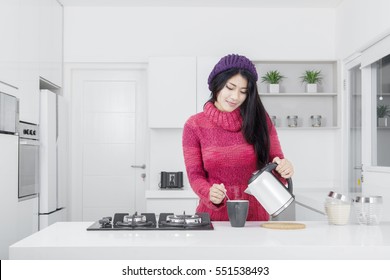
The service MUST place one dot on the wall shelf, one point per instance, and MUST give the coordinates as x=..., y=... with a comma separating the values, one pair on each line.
x=293, y=98
x=307, y=128
x=303, y=94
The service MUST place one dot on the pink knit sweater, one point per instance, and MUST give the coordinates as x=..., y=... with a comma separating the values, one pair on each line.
x=215, y=152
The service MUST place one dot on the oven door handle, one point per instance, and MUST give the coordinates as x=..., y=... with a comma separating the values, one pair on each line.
x=26, y=142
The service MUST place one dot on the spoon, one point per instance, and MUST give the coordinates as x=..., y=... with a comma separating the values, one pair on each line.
x=227, y=195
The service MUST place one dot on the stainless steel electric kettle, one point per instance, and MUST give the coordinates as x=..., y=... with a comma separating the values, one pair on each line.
x=269, y=191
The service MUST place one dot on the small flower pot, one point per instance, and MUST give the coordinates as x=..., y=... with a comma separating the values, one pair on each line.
x=273, y=88
x=382, y=122
x=310, y=88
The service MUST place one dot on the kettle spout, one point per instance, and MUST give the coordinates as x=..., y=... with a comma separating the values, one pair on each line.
x=247, y=191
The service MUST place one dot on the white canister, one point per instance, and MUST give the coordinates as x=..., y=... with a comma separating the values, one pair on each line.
x=337, y=208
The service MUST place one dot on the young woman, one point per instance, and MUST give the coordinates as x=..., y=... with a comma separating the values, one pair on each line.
x=232, y=138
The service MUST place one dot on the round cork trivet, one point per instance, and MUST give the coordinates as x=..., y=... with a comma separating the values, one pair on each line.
x=283, y=225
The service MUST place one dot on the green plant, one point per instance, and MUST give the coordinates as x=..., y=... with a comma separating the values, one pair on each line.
x=382, y=111
x=272, y=77
x=312, y=77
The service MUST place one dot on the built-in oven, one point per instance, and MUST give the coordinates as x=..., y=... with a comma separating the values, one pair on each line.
x=28, y=160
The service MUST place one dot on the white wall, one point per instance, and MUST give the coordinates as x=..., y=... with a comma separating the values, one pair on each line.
x=123, y=34
x=315, y=155
x=360, y=22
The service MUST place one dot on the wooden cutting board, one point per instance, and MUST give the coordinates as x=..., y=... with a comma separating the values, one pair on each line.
x=283, y=226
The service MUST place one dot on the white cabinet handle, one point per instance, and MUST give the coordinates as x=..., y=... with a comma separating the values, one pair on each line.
x=143, y=166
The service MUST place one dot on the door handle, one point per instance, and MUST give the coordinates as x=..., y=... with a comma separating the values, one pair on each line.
x=143, y=166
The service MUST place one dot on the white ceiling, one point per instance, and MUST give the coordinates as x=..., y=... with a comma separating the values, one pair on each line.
x=207, y=3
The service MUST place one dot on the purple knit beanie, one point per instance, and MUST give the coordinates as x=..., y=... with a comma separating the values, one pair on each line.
x=233, y=61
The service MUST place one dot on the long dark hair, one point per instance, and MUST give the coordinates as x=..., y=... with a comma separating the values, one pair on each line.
x=253, y=113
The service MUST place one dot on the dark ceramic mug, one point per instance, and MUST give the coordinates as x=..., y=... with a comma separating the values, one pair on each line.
x=237, y=212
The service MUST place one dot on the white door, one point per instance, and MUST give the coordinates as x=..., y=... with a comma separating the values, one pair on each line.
x=108, y=138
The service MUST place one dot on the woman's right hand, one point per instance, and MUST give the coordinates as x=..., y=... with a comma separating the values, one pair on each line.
x=217, y=193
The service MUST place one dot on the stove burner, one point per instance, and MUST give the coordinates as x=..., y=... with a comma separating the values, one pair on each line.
x=184, y=219
x=134, y=221
x=136, y=218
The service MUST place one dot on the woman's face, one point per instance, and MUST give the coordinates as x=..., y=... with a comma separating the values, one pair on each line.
x=233, y=94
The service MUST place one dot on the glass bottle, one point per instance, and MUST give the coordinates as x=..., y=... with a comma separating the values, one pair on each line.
x=316, y=120
x=292, y=121
x=273, y=119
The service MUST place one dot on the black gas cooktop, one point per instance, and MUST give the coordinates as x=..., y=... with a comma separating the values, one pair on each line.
x=148, y=221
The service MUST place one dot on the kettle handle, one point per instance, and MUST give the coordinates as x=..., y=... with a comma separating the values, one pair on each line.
x=271, y=166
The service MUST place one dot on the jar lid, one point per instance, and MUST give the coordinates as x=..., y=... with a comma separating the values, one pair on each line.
x=292, y=117
x=339, y=196
x=369, y=199
x=316, y=116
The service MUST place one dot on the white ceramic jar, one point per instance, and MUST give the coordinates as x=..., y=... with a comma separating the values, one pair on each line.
x=337, y=208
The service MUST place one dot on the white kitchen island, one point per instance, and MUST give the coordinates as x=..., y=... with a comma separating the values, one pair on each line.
x=71, y=240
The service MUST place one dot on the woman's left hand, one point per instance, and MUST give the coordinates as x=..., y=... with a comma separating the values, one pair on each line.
x=284, y=168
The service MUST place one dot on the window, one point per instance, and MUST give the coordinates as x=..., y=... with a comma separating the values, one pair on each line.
x=381, y=90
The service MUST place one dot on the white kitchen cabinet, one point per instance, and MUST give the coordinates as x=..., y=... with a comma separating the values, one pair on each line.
x=39, y=46
x=51, y=41
x=28, y=213
x=29, y=93
x=9, y=149
x=29, y=14
x=172, y=91
x=204, y=67
x=9, y=22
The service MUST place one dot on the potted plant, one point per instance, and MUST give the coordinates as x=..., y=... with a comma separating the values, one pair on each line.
x=273, y=78
x=382, y=111
x=311, y=78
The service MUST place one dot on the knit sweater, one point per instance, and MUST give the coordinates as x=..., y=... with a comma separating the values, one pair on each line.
x=215, y=152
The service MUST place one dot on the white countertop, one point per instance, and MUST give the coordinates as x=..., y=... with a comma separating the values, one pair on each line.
x=71, y=240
